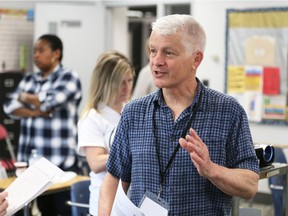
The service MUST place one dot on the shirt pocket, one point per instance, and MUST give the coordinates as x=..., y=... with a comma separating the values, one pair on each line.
x=217, y=149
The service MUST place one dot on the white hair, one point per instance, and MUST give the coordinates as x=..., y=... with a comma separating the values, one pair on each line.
x=171, y=24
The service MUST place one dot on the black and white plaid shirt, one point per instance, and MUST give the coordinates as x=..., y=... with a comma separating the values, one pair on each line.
x=53, y=137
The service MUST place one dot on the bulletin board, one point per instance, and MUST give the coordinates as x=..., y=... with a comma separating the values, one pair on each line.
x=256, y=62
x=16, y=34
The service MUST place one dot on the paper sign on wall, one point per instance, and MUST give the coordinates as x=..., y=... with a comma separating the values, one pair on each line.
x=236, y=79
x=253, y=78
x=274, y=107
x=271, y=81
x=260, y=50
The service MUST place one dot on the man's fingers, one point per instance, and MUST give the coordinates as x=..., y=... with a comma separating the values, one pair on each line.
x=183, y=142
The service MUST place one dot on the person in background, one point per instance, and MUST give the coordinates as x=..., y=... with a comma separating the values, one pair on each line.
x=47, y=104
x=144, y=84
x=185, y=144
x=110, y=88
x=3, y=203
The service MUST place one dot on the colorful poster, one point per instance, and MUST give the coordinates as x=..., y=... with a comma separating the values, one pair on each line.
x=274, y=107
x=254, y=78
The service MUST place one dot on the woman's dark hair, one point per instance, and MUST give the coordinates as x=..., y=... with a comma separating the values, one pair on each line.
x=54, y=42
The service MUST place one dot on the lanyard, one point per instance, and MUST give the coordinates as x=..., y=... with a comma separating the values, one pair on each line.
x=184, y=132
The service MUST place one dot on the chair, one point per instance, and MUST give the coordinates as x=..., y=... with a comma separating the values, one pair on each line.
x=4, y=136
x=80, y=193
x=7, y=164
x=276, y=183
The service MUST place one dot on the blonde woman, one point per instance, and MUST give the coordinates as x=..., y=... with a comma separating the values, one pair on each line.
x=110, y=88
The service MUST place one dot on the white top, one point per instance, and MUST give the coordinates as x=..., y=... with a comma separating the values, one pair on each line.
x=97, y=129
x=145, y=84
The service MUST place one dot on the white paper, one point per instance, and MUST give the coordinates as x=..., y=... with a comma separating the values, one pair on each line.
x=147, y=206
x=123, y=206
x=253, y=103
x=31, y=183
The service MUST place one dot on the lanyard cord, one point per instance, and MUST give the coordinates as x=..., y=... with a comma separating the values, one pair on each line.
x=184, y=132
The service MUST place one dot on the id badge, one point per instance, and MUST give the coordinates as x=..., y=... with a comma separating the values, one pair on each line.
x=152, y=205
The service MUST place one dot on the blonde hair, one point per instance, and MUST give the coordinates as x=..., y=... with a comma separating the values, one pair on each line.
x=107, y=77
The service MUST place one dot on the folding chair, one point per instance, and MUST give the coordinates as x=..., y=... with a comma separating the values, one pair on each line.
x=80, y=193
x=6, y=163
x=4, y=136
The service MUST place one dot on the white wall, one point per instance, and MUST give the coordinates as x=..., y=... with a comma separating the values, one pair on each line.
x=82, y=44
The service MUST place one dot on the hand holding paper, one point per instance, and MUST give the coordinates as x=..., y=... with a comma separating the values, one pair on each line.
x=33, y=182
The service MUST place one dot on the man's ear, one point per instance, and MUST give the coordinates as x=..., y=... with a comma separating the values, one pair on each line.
x=198, y=57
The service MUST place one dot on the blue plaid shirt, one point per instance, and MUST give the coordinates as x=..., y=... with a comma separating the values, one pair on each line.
x=55, y=137
x=222, y=125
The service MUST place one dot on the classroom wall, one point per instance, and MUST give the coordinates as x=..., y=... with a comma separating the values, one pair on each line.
x=78, y=27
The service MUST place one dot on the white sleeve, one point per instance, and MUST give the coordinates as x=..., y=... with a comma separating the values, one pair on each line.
x=91, y=132
x=143, y=83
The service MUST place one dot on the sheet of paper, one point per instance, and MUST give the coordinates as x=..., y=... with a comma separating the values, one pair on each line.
x=236, y=79
x=253, y=103
x=271, y=81
x=254, y=78
x=123, y=206
x=32, y=182
x=149, y=204
x=260, y=50
x=274, y=107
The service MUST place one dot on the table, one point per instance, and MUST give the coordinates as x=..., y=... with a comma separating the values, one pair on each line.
x=57, y=187
x=267, y=172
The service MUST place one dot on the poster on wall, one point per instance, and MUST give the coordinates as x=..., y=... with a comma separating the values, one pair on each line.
x=16, y=33
x=256, y=62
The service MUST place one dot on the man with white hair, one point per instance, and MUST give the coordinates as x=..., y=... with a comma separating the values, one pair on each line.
x=186, y=144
